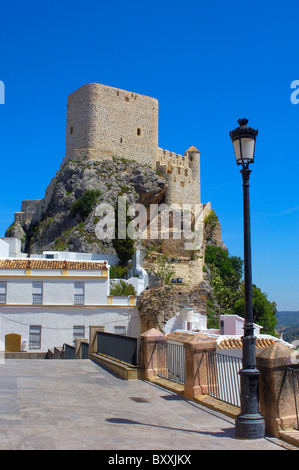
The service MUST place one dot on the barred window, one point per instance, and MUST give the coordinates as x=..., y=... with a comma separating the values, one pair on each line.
x=120, y=330
x=35, y=336
x=79, y=293
x=37, y=292
x=2, y=292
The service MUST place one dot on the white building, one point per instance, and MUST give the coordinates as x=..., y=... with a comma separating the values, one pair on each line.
x=48, y=302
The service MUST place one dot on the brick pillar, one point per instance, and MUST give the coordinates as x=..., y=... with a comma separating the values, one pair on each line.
x=277, y=404
x=196, y=379
x=151, y=359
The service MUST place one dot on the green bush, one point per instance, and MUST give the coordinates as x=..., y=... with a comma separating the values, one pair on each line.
x=118, y=271
x=83, y=206
x=165, y=270
x=122, y=288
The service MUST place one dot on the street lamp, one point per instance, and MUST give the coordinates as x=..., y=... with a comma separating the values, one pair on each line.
x=249, y=423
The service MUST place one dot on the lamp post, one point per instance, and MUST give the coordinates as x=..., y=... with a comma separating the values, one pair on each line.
x=249, y=423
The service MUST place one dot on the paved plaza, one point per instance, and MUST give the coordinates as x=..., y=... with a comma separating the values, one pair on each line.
x=77, y=405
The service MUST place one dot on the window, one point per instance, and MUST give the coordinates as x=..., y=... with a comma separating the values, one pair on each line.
x=79, y=293
x=37, y=292
x=35, y=336
x=138, y=131
x=72, y=129
x=120, y=330
x=2, y=292
x=78, y=332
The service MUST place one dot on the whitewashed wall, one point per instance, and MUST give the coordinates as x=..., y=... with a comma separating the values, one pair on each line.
x=57, y=291
x=57, y=322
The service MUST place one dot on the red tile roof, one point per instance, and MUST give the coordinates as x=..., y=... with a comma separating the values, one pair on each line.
x=235, y=343
x=51, y=264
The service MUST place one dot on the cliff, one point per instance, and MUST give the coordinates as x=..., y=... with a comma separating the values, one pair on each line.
x=58, y=222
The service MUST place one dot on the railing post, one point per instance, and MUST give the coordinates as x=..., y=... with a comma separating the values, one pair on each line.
x=196, y=379
x=78, y=347
x=150, y=341
x=93, y=344
x=277, y=404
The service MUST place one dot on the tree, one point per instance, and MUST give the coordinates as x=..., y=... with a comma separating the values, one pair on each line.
x=228, y=290
x=229, y=268
x=264, y=311
x=124, y=247
x=225, y=276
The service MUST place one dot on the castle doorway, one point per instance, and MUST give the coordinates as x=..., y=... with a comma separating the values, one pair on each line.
x=12, y=343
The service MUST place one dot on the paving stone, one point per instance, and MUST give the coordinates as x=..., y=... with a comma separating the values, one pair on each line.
x=67, y=405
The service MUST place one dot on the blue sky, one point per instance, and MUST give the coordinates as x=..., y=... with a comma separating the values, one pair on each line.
x=208, y=64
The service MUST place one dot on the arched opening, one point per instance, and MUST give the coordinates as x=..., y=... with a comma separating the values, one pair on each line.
x=12, y=342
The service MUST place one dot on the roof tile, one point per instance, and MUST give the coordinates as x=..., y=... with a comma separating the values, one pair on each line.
x=51, y=264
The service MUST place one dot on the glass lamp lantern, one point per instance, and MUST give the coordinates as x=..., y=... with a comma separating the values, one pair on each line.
x=243, y=139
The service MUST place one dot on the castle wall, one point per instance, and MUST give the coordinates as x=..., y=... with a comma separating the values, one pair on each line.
x=103, y=121
x=182, y=173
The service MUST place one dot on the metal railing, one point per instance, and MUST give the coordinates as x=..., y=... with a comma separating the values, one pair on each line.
x=295, y=381
x=172, y=362
x=120, y=347
x=223, y=377
x=69, y=351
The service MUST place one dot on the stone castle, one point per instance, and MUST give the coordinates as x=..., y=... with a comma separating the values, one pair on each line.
x=105, y=122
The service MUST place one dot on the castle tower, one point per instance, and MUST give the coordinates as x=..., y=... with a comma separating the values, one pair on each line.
x=103, y=121
x=193, y=156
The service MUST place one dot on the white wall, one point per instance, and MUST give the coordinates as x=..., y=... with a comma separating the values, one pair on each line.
x=57, y=322
x=111, y=259
x=4, y=249
x=56, y=291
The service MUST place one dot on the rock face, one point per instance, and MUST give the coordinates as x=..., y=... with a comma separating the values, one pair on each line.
x=159, y=304
x=56, y=227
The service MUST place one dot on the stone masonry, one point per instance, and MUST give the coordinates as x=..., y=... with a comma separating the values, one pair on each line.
x=105, y=122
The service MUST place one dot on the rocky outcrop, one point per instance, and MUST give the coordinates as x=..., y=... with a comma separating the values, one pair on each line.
x=50, y=224
x=159, y=304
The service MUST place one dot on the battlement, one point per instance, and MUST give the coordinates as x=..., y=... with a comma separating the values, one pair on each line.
x=182, y=173
x=165, y=157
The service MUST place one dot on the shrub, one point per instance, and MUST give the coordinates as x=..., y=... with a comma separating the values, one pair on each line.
x=122, y=288
x=83, y=206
